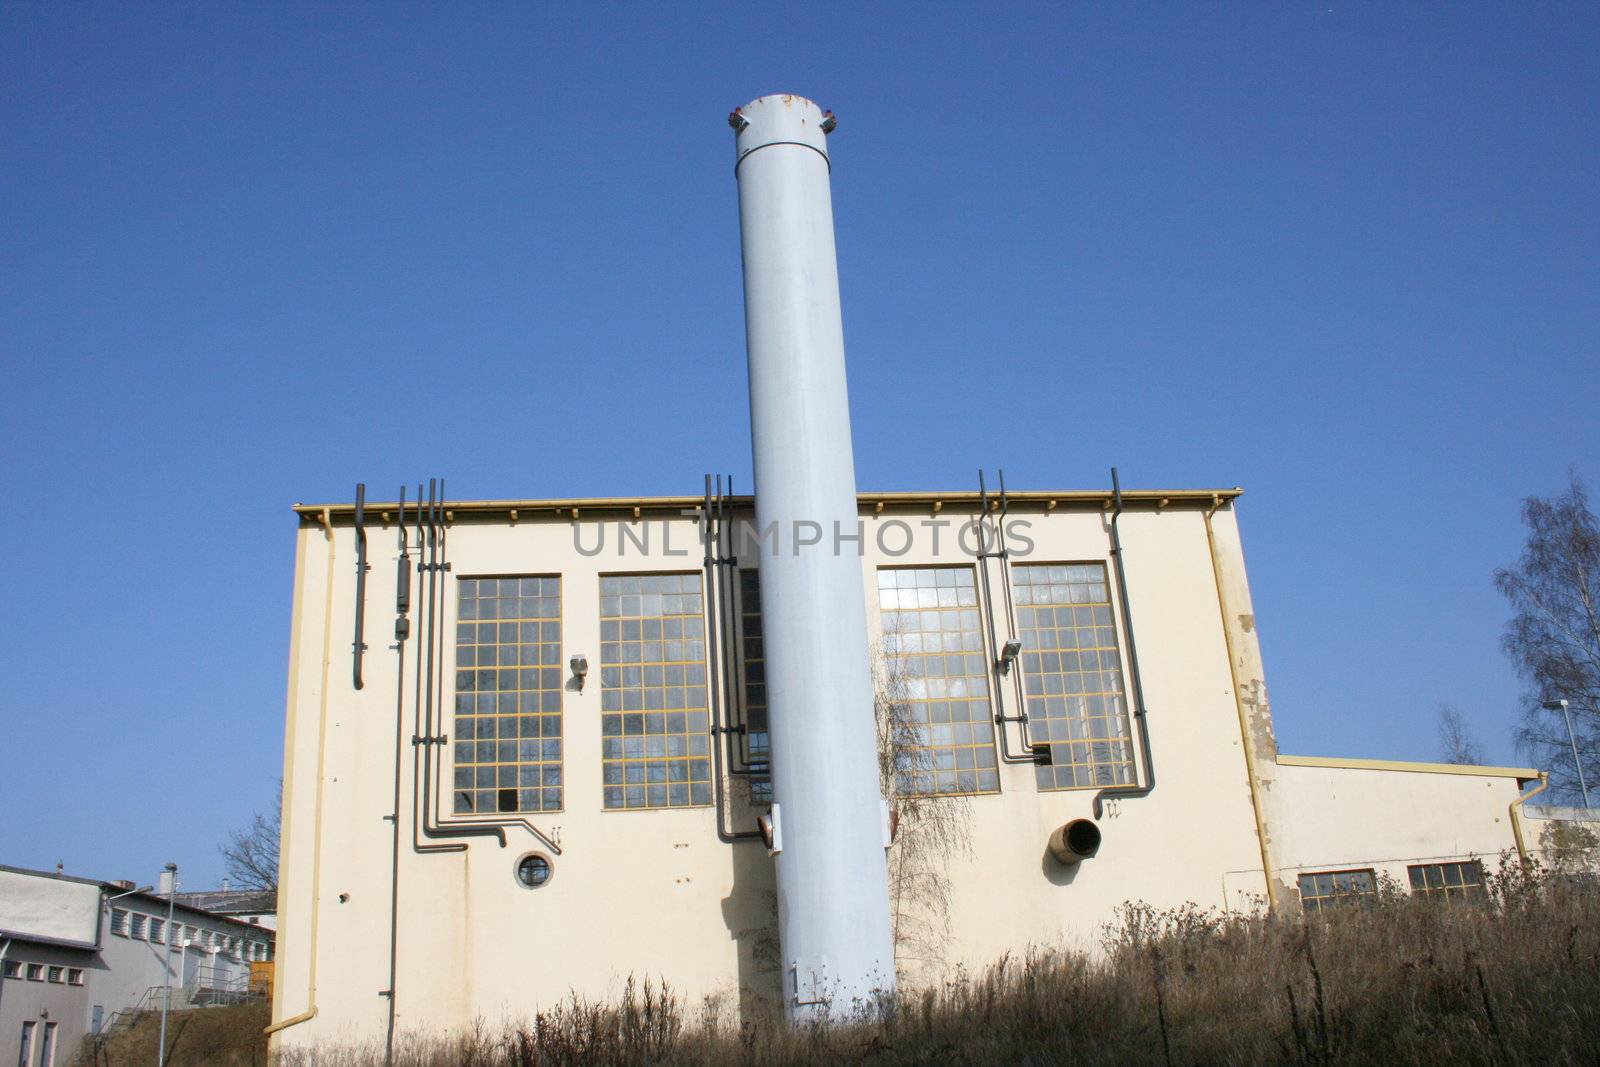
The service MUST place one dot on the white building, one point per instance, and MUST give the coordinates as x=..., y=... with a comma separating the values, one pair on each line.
x=572, y=730
x=528, y=742
x=259, y=907
x=75, y=952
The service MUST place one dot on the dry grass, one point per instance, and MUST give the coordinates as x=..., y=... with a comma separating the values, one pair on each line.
x=1405, y=981
x=208, y=1037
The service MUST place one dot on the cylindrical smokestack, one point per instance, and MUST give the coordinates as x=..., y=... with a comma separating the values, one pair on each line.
x=833, y=898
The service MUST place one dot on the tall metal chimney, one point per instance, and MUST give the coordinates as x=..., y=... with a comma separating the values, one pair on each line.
x=833, y=898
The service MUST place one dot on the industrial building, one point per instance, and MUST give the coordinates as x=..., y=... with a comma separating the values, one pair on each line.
x=793, y=750
x=78, y=956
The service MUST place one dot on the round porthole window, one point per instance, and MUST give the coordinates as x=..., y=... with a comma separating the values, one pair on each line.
x=534, y=870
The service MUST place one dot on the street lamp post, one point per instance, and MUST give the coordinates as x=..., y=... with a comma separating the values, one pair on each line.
x=1572, y=739
x=169, y=878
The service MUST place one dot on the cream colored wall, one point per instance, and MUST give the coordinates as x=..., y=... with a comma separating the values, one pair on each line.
x=651, y=894
x=1167, y=848
x=655, y=893
x=1332, y=818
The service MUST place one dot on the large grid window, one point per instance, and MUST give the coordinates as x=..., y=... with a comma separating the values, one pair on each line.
x=752, y=659
x=508, y=695
x=1072, y=675
x=1327, y=889
x=1452, y=881
x=654, y=722
x=937, y=673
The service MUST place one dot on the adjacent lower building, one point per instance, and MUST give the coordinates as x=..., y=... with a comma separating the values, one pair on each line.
x=527, y=752
x=258, y=907
x=79, y=955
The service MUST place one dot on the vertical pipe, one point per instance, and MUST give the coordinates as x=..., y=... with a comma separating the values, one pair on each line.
x=402, y=630
x=833, y=901
x=360, y=643
x=1135, y=679
x=170, y=875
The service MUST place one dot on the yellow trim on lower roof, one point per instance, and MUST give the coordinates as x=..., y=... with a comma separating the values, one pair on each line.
x=1342, y=763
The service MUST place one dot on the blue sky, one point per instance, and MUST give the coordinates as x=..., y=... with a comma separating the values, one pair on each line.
x=1345, y=256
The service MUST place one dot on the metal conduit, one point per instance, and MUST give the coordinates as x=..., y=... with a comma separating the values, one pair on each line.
x=738, y=717
x=1011, y=625
x=359, y=646
x=1000, y=716
x=402, y=629
x=716, y=686
x=433, y=825
x=422, y=737
x=1129, y=791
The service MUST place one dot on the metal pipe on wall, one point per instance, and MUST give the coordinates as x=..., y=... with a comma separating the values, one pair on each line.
x=359, y=646
x=402, y=630
x=834, y=923
x=739, y=762
x=719, y=663
x=1135, y=679
x=1032, y=754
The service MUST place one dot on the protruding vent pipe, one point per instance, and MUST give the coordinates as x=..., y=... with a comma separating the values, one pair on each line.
x=833, y=900
x=1074, y=842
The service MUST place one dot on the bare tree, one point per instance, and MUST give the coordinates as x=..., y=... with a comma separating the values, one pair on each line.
x=930, y=830
x=1456, y=743
x=251, y=854
x=1553, y=637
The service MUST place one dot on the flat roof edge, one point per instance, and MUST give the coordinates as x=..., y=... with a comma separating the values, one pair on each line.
x=41, y=939
x=1050, y=499
x=1343, y=763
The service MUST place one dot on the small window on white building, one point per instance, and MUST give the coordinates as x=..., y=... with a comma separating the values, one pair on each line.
x=1451, y=881
x=119, y=922
x=158, y=930
x=137, y=926
x=74, y=975
x=176, y=934
x=57, y=975
x=1327, y=889
x=13, y=969
x=35, y=972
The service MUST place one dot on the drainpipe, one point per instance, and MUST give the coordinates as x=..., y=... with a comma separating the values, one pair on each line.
x=5, y=950
x=326, y=520
x=1251, y=773
x=1516, y=815
x=1136, y=680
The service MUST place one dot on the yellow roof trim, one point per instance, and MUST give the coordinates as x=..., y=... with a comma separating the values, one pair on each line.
x=1049, y=499
x=1341, y=763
